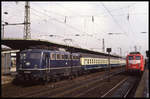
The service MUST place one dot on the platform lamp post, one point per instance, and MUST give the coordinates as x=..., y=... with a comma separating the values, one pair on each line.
x=109, y=50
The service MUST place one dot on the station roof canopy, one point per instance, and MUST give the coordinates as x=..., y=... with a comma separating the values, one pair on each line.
x=21, y=44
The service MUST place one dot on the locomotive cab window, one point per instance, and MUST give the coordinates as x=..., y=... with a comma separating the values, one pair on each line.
x=130, y=57
x=137, y=57
x=22, y=55
x=35, y=55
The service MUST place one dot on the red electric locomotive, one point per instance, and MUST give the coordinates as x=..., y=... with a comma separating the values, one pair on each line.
x=134, y=61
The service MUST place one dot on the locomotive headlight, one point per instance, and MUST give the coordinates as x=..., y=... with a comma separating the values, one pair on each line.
x=27, y=63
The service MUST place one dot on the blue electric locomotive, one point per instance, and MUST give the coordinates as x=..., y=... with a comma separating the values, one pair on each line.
x=45, y=64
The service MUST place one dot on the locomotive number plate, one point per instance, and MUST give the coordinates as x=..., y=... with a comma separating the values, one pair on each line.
x=27, y=71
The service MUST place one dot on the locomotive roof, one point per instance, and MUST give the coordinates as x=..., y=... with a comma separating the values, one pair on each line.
x=44, y=50
x=135, y=53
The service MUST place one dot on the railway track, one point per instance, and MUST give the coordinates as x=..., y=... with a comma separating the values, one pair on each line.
x=79, y=87
x=124, y=88
x=73, y=86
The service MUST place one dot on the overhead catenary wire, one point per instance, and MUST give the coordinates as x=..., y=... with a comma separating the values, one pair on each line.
x=113, y=18
x=65, y=22
x=61, y=22
x=56, y=20
x=35, y=13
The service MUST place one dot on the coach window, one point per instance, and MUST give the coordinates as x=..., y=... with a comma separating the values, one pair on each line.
x=53, y=56
x=77, y=57
x=87, y=61
x=73, y=57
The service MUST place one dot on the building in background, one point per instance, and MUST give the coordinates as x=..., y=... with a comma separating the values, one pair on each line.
x=8, y=61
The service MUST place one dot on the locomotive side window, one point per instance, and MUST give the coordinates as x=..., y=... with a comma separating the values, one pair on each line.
x=130, y=57
x=68, y=56
x=65, y=56
x=61, y=56
x=87, y=61
x=58, y=56
x=137, y=57
x=71, y=57
x=53, y=56
x=74, y=57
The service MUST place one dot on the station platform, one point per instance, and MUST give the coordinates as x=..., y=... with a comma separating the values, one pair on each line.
x=143, y=88
x=7, y=78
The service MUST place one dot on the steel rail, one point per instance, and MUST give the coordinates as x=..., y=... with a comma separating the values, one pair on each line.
x=42, y=91
x=114, y=87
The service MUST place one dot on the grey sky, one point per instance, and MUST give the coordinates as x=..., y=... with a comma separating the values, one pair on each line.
x=48, y=18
